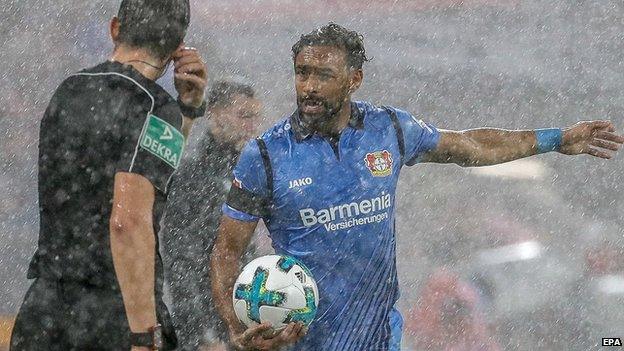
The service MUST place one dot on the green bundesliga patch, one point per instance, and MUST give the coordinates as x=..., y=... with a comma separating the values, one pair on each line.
x=163, y=140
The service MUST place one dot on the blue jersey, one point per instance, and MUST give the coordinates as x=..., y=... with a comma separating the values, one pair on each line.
x=331, y=204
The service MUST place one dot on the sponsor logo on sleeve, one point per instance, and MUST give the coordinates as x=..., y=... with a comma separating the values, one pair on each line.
x=163, y=141
x=379, y=163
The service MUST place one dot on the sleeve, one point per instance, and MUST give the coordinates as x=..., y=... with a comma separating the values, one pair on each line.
x=419, y=137
x=154, y=147
x=249, y=198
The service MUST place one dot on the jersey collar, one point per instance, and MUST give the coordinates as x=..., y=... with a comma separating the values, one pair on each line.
x=128, y=71
x=302, y=132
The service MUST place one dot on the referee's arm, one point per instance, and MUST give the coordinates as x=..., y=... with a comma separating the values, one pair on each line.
x=133, y=246
x=488, y=146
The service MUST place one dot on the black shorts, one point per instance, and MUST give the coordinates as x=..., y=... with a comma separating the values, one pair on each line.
x=59, y=315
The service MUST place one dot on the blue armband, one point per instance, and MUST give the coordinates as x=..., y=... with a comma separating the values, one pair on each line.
x=238, y=215
x=548, y=139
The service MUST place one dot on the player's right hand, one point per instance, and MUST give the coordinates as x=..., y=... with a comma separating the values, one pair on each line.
x=255, y=338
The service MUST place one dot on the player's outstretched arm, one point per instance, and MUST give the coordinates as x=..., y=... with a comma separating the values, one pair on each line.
x=232, y=240
x=486, y=146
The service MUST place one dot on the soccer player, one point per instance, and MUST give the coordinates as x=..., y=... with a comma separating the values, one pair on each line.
x=191, y=219
x=110, y=140
x=324, y=182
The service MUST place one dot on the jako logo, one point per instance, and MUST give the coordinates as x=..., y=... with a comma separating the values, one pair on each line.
x=299, y=182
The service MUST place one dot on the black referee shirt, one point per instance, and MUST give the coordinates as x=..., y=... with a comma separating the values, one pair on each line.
x=100, y=121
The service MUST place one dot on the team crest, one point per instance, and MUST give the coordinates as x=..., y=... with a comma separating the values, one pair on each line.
x=379, y=163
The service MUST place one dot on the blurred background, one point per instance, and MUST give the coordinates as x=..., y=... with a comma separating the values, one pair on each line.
x=522, y=256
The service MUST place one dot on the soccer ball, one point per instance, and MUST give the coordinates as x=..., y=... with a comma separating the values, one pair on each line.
x=276, y=289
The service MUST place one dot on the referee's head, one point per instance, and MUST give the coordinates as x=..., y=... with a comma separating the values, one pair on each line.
x=158, y=26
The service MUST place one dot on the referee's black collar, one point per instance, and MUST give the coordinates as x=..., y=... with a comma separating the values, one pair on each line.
x=303, y=132
x=128, y=71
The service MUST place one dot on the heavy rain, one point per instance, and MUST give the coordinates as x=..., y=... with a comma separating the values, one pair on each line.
x=525, y=255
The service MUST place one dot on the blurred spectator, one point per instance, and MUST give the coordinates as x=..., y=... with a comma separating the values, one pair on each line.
x=447, y=317
x=449, y=314
x=193, y=208
x=593, y=308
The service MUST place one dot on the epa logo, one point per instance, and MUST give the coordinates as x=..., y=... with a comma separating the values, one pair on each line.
x=611, y=342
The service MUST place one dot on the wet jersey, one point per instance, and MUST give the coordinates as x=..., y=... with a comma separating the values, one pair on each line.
x=100, y=121
x=331, y=204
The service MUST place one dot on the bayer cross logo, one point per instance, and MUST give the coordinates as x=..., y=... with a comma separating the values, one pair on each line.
x=379, y=163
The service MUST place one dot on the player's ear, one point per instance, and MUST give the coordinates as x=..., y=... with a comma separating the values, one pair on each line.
x=114, y=29
x=357, y=75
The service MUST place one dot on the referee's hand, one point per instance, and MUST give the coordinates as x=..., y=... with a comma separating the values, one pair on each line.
x=190, y=76
x=255, y=338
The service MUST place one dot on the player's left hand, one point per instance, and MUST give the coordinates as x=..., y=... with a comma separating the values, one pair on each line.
x=190, y=76
x=596, y=138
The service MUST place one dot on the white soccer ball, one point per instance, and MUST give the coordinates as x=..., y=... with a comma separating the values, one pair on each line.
x=276, y=289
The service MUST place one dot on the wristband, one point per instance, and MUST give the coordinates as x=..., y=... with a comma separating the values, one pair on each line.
x=192, y=112
x=548, y=139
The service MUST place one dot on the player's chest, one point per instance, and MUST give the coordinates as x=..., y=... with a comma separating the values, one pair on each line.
x=315, y=171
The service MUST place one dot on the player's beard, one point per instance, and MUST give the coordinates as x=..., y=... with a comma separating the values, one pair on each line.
x=324, y=120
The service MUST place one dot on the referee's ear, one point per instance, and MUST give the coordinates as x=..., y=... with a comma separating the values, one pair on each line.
x=114, y=29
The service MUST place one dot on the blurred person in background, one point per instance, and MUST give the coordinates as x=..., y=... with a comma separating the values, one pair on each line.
x=193, y=209
x=593, y=307
x=448, y=318
x=109, y=142
x=449, y=315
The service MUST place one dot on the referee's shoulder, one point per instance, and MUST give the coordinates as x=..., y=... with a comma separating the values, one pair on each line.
x=80, y=80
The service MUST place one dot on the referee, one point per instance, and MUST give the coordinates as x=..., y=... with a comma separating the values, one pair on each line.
x=110, y=140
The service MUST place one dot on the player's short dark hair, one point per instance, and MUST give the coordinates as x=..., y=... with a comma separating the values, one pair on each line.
x=222, y=93
x=336, y=35
x=156, y=25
